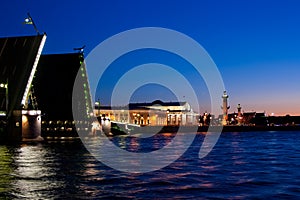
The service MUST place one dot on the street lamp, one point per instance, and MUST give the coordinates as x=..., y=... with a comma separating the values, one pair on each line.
x=29, y=20
x=97, y=106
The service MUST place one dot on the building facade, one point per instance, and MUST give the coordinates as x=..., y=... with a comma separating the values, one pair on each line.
x=157, y=113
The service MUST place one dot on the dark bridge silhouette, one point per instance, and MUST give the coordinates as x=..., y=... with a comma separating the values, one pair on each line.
x=19, y=58
x=53, y=84
x=36, y=90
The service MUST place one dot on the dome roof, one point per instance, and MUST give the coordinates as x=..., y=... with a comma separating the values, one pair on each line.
x=157, y=102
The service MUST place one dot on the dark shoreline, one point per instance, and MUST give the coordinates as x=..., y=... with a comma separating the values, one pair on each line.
x=116, y=130
x=173, y=129
x=224, y=129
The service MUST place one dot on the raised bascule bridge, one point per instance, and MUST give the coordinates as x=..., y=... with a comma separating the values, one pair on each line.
x=53, y=84
x=19, y=58
x=36, y=90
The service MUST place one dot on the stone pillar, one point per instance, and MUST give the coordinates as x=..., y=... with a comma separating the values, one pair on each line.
x=25, y=125
x=240, y=117
x=225, y=108
x=31, y=125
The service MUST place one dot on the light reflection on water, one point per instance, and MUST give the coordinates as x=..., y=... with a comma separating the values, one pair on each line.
x=242, y=165
x=33, y=172
x=5, y=170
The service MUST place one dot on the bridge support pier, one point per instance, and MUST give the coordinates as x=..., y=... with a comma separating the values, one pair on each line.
x=25, y=125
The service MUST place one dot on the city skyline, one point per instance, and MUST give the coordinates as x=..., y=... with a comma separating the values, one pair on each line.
x=255, y=44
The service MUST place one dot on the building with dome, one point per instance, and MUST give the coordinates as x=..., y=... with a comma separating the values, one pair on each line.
x=156, y=113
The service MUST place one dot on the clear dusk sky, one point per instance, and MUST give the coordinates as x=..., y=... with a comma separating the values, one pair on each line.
x=254, y=43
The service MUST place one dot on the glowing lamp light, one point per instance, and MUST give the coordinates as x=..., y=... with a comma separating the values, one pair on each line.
x=3, y=85
x=24, y=119
x=31, y=112
x=28, y=20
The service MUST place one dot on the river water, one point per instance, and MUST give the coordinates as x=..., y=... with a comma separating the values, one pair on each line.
x=264, y=165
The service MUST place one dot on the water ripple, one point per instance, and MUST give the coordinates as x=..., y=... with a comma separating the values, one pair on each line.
x=242, y=165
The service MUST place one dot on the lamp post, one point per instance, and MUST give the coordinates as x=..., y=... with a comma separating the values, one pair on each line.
x=29, y=20
x=97, y=107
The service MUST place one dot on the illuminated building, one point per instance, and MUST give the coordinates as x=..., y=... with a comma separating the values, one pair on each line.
x=151, y=114
x=237, y=118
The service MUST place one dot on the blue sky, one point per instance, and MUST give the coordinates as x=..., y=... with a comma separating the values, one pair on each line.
x=255, y=44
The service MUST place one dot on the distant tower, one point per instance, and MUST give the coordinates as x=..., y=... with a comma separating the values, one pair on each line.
x=239, y=114
x=239, y=110
x=225, y=108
